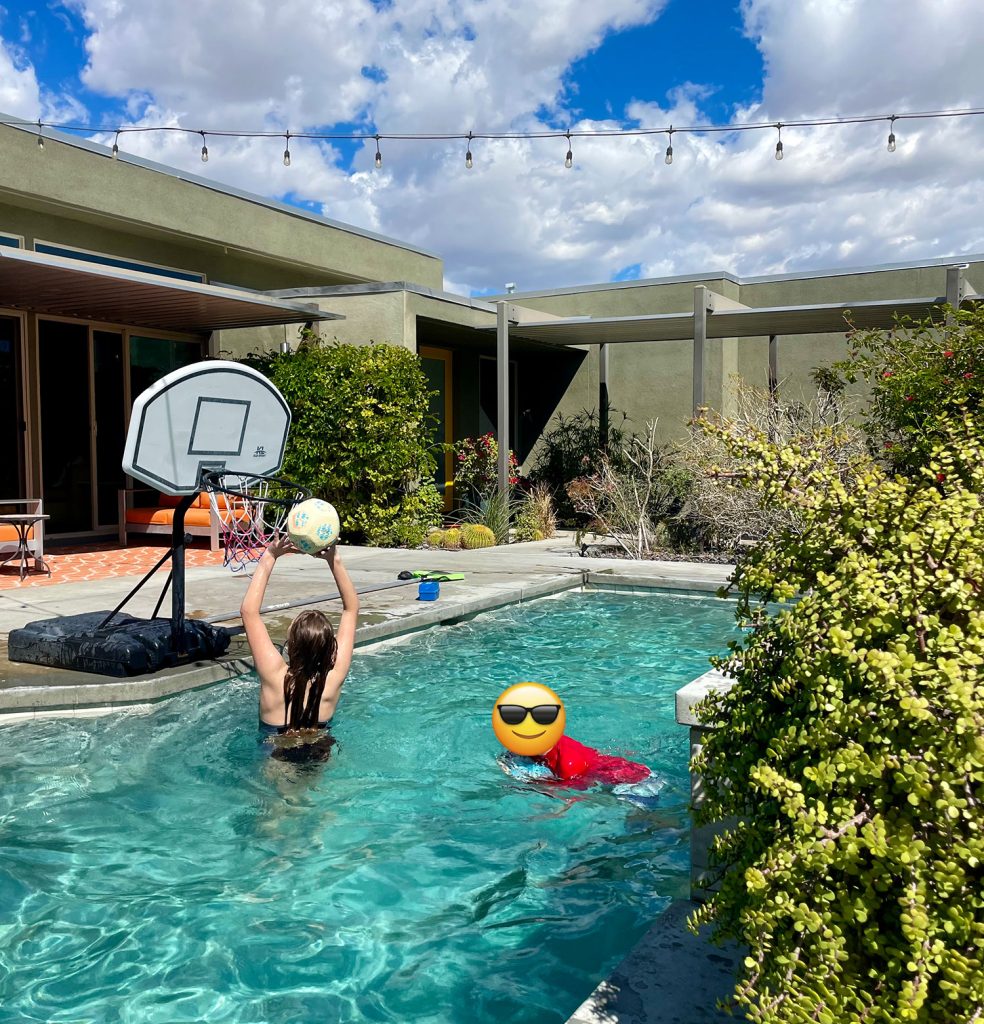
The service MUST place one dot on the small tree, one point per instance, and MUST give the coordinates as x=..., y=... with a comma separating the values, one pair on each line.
x=919, y=374
x=851, y=747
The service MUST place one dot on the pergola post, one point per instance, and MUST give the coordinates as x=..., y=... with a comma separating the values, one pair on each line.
x=702, y=303
x=954, y=288
x=502, y=391
x=773, y=383
x=603, y=397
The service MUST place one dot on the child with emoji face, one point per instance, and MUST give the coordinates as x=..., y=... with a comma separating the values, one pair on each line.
x=528, y=719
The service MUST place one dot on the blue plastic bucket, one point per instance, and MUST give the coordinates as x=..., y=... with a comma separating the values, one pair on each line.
x=429, y=590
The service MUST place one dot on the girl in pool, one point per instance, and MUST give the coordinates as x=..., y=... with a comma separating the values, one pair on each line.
x=298, y=696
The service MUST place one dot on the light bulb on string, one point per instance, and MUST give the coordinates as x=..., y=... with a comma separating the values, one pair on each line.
x=379, y=156
x=569, y=159
x=204, y=149
x=891, y=134
x=779, y=143
x=468, y=153
x=40, y=136
x=287, y=150
x=668, y=159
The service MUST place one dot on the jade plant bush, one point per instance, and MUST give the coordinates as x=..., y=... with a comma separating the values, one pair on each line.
x=361, y=436
x=918, y=374
x=850, y=750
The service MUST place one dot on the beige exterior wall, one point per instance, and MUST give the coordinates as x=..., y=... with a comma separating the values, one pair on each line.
x=68, y=194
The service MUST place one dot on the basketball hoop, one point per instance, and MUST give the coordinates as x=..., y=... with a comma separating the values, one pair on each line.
x=251, y=511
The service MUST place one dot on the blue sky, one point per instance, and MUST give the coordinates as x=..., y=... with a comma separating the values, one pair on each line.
x=837, y=199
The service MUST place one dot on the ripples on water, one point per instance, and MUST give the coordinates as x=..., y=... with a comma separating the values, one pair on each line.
x=160, y=867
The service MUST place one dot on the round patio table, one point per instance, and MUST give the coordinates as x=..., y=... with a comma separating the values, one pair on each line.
x=22, y=522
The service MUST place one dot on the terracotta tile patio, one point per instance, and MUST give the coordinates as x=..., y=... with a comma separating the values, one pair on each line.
x=98, y=562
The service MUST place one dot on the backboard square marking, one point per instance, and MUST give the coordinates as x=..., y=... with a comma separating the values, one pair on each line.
x=219, y=427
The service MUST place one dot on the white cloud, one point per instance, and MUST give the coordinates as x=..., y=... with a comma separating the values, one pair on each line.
x=838, y=197
x=19, y=90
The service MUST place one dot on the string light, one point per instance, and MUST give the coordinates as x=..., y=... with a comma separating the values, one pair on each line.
x=468, y=153
x=569, y=159
x=116, y=146
x=779, y=143
x=569, y=135
x=287, y=150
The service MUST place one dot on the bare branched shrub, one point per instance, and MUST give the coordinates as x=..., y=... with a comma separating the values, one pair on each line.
x=629, y=505
x=718, y=510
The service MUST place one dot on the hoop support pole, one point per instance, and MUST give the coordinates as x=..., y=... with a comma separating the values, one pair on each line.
x=178, y=574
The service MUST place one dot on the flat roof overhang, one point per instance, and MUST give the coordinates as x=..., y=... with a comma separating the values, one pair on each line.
x=749, y=322
x=66, y=287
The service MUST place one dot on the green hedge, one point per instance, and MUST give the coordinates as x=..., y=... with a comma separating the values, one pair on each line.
x=361, y=437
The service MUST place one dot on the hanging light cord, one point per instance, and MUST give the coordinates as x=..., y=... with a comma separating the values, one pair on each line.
x=585, y=133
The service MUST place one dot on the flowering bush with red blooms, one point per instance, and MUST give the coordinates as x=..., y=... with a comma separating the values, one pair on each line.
x=919, y=374
x=476, y=463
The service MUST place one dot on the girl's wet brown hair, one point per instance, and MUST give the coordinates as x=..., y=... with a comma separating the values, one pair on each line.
x=311, y=650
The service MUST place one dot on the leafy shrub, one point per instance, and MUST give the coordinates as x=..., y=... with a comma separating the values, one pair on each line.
x=535, y=518
x=474, y=535
x=572, y=449
x=361, y=436
x=851, y=748
x=476, y=466
x=919, y=374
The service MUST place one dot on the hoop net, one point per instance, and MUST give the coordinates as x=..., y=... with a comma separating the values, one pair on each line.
x=251, y=511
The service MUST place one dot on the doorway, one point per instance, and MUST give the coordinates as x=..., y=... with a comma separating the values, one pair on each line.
x=436, y=364
x=83, y=422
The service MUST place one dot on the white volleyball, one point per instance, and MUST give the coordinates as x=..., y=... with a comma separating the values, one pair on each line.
x=312, y=525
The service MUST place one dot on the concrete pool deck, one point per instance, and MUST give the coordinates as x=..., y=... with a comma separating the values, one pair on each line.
x=670, y=977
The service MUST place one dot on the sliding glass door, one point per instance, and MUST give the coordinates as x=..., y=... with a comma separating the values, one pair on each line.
x=13, y=424
x=87, y=378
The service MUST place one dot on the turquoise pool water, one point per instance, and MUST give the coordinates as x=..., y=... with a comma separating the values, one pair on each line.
x=160, y=868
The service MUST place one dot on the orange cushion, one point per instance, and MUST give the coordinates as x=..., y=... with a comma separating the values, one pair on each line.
x=8, y=532
x=155, y=516
x=168, y=500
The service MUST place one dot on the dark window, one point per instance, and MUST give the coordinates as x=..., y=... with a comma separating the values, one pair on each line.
x=115, y=261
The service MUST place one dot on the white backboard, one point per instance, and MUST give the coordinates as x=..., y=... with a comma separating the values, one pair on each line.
x=210, y=415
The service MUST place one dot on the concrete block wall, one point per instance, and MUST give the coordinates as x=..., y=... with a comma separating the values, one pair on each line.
x=703, y=873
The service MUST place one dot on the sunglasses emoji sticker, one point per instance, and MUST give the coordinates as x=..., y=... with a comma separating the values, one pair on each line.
x=528, y=719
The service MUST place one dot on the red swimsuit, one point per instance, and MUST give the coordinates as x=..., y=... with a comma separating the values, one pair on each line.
x=572, y=760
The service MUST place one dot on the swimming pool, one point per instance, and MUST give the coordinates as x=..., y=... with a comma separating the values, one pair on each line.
x=159, y=867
